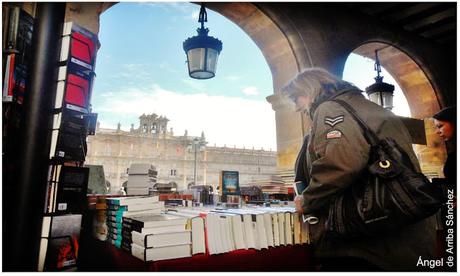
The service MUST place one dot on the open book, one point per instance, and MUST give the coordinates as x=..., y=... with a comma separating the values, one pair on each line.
x=298, y=189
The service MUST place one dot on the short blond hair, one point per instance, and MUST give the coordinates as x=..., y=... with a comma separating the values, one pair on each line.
x=313, y=82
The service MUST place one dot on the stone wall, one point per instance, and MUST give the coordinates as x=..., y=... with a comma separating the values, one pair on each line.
x=174, y=158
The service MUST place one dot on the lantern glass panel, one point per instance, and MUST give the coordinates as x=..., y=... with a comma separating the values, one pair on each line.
x=211, y=62
x=387, y=100
x=375, y=98
x=196, y=59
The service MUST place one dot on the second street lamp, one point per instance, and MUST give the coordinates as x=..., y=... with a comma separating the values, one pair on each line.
x=380, y=92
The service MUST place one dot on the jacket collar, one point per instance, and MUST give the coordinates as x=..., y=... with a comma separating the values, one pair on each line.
x=327, y=96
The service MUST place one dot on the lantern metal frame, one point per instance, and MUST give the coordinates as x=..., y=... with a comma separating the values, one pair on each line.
x=205, y=42
x=384, y=89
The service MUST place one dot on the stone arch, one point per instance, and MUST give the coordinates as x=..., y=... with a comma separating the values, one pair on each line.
x=423, y=99
x=281, y=58
x=409, y=76
x=288, y=47
x=284, y=61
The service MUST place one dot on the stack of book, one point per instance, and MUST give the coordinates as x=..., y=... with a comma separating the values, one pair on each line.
x=159, y=237
x=183, y=232
x=120, y=207
x=141, y=179
x=273, y=185
x=288, y=178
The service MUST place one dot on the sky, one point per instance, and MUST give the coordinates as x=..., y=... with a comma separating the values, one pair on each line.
x=141, y=69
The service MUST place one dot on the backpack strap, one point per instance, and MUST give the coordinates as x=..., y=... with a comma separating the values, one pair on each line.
x=369, y=134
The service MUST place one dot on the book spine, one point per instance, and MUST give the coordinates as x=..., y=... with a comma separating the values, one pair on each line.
x=115, y=219
x=127, y=220
x=126, y=232
x=115, y=213
x=114, y=224
x=137, y=225
x=127, y=226
x=126, y=238
x=126, y=246
x=115, y=236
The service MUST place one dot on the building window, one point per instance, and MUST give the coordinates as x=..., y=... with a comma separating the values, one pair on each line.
x=173, y=172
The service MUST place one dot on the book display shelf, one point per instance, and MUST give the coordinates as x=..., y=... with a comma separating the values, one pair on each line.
x=67, y=185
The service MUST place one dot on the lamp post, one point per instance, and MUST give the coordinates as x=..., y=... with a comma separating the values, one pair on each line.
x=380, y=92
x=196, y=142
x=202, y=51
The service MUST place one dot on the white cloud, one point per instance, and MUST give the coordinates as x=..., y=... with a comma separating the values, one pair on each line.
x=251, y=91
x=182, y=7
x=193, y=16
x=168, y=67
x=232, y=78
x=224, y=120
x=194, y=84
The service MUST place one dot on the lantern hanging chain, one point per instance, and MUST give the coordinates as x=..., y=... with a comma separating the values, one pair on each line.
x=377, y=67
x=203, y=17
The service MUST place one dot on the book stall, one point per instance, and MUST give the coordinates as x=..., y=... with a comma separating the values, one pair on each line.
x=142, y=234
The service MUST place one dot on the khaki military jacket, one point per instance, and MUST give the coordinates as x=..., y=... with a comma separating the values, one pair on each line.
x=337, y=153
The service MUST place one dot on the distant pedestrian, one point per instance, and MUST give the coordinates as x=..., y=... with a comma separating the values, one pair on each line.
x=445, y=123
x=122, y=191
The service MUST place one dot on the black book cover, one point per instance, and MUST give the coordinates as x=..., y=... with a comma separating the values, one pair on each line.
x=72, y=188
x=63, y=242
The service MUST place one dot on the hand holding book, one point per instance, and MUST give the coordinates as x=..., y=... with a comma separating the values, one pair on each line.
x=298, y=189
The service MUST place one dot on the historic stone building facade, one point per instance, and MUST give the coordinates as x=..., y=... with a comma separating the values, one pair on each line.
x=173, y=156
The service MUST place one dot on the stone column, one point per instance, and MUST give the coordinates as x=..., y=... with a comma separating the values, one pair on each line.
x=291, y=127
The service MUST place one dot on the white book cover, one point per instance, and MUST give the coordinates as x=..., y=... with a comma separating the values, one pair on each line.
x=281, y=227
x=288, y=228
x=213, y=231
x=129, y=200
x=269, y=229
x=261, y=233
x=257, y=217
x=162, y=220
x=161, y=253
x=196, y=225
x=230, y=235
x=297, y=228
x=274, y=224
x=226, y=233
x=221, y=234
x=238, y=231
x=161, y=239
x=137, y=191
x=166, y=229
x=276, y=230
x=140, y=168
x=157, y=209
x=65, y=46
x=249, y=232
x=144, y=207
x=139, y=181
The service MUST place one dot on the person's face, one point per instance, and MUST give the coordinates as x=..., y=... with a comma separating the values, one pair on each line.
x=302, y=103
x=444, y=129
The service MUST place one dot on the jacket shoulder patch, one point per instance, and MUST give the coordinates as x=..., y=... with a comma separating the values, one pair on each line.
x=334, y=134
x=332, y=121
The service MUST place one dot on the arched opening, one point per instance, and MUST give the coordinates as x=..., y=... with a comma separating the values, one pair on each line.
x=421, y=97
x=255, y=24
